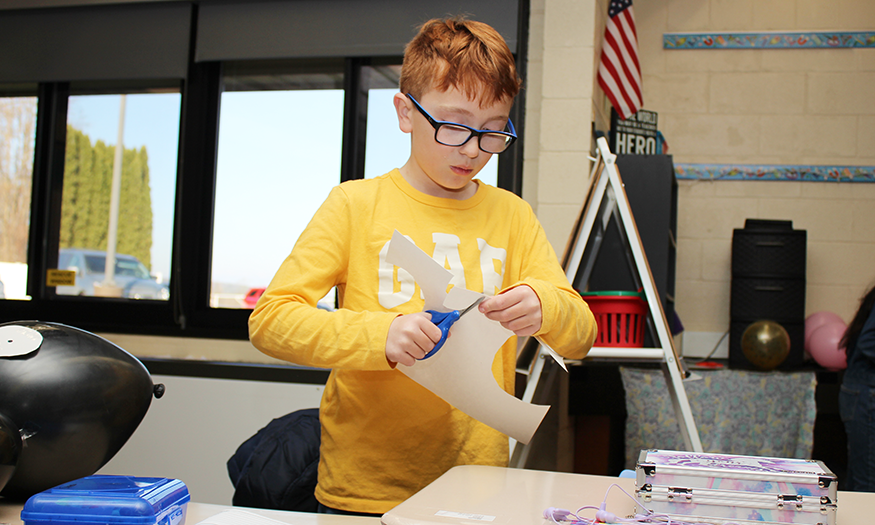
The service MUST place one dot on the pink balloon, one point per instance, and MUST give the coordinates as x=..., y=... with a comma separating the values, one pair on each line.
x=824, y=346
x=815, y=321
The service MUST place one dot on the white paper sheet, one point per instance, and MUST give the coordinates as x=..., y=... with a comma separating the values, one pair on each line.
x=18, y=340
x=460, y=373
x=239, y=517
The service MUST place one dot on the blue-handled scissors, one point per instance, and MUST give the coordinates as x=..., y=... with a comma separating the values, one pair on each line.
x=445, y=320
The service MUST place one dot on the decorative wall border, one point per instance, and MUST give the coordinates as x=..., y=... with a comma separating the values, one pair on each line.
x=769, y=40
x=775, y=172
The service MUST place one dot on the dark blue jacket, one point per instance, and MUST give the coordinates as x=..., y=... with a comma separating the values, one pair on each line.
x=276, y=468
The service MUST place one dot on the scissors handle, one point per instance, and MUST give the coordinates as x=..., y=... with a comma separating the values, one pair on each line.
x=443, y=320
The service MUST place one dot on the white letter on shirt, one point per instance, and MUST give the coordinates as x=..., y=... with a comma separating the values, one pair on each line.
x=388, y=297
x=488, y=255
x=446, y=253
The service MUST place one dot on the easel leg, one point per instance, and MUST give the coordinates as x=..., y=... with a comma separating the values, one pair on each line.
x=682, y=407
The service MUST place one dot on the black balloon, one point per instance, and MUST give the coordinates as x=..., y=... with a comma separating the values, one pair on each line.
x=10, y=449
x=74, y=402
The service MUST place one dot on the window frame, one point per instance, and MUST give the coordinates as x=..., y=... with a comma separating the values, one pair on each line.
x=187, y=313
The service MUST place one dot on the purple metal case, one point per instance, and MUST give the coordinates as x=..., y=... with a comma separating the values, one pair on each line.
x=717, y=488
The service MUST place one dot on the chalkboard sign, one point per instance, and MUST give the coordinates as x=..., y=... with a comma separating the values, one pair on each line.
x=636, y=135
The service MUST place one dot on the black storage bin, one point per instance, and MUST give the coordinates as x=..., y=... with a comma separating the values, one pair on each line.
x=768, y=283
x=769, y=253
x=767, y=298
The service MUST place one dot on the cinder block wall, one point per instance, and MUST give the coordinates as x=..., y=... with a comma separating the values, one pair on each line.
x=564, y=39
x=779, y=106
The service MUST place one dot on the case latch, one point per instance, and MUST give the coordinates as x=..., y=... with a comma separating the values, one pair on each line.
x=648, y=468
x=681, y=492
x=645, y=492
x=790, y=499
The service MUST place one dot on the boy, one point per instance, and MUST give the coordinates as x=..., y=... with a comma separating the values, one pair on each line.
x=384, y=436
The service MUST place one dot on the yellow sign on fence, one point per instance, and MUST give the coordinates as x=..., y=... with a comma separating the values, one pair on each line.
x=60, y=277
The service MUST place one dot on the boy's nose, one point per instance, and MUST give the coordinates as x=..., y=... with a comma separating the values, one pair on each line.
x=471, y=149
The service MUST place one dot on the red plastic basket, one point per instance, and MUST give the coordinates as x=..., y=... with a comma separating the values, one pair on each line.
x=619, y=317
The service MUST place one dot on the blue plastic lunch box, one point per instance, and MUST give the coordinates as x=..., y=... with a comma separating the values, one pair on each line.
x=116, y=500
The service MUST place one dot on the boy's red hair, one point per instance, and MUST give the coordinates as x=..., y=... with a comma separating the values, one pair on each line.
x=470, y=56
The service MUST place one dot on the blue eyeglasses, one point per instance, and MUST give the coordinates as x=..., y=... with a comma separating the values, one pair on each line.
x=453, y=134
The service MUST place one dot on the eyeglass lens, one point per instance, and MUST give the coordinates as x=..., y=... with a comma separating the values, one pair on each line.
x=450, y=135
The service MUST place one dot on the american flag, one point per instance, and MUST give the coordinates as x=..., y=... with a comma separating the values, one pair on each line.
x=619, y=70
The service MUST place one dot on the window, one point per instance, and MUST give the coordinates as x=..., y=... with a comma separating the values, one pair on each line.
x=279, y=154
x=235, y=128
x=17, y=136
x=121, y=213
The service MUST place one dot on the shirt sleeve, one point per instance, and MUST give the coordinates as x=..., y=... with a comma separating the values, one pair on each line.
x=286, y=322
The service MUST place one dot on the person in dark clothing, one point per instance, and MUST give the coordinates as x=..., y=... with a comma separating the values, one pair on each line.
x=857, y=397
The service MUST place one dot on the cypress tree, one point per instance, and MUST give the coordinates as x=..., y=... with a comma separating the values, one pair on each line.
x=87, y=192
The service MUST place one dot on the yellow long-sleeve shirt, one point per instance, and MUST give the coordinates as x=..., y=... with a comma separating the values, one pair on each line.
x=384, y=436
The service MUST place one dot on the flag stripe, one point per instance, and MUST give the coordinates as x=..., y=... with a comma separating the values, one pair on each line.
x=630, y=39
x=610, y=88
x=619, y=73
x=618, y=96
x=627, y=61
x=617, y=78
x=621, y=62
x=627, y=20
x=610, y=83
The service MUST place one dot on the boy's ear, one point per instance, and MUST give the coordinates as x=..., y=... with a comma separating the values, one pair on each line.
x=404, y=109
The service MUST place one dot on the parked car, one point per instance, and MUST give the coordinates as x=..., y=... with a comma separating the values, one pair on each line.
x=131, y=275
x=252, y=297
x=254, y=294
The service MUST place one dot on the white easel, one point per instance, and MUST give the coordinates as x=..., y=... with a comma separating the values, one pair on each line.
x=607, y=198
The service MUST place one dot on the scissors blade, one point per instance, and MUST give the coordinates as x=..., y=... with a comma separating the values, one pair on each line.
x=475, y=303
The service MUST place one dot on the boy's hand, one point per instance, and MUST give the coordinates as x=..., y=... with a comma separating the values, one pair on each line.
x=410, y=338
x=517, y=309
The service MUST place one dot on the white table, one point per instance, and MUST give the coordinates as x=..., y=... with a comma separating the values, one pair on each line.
x=539, y=490
x=196, y=512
